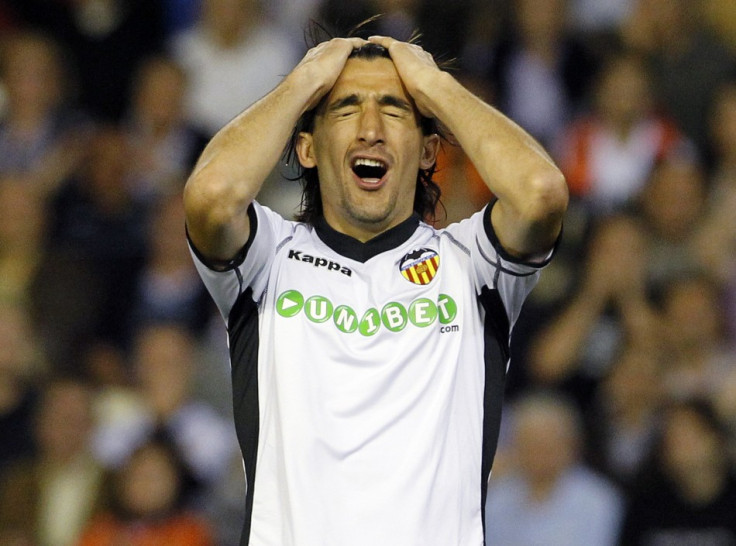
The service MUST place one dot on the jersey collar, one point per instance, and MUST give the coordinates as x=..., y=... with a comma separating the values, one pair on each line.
x=362, y=252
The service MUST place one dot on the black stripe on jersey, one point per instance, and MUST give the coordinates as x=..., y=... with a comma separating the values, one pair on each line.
x=243, y=334
x=237, y=260
x=491, y=233
x=498, y=265
x=496, y=331
x=362, y=252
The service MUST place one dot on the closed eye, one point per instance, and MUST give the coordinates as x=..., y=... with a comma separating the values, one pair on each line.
x=344, y=113
x=395, y=113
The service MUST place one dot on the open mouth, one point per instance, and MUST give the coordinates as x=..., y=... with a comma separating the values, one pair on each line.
x=369, y=170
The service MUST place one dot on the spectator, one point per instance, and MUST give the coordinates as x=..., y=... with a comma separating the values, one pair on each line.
x=41, y=137
x=97, y=241
x=550, y=497
x=105, y=40
x=577, y=346
x=623, y=421
x=697, y=353
x=164, y=364
x=169, y=288
x=689, y=493
x=687, y=60
x=48, y=498
x=673, y=205
x=608, y=154
x=148, y=506
x=232, y=57
x=164, y=146
x=541, y=72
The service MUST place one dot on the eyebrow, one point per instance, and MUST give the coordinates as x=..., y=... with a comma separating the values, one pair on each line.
x=383, y=100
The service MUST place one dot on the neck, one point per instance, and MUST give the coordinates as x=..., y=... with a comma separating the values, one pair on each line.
x=362, y=231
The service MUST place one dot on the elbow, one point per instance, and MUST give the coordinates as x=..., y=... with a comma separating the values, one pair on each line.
x=213, y=215
x=547, y=198
x=209, y=204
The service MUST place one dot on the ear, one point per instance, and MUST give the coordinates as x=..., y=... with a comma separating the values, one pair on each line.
x=305, y=150
x=430, y=149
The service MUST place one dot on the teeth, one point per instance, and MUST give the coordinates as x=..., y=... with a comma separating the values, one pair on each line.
x=368, y=162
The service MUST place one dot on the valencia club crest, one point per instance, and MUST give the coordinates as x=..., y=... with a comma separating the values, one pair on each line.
x=420, y=266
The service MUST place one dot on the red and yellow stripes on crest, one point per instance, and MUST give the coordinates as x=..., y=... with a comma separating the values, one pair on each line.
x=422, y=272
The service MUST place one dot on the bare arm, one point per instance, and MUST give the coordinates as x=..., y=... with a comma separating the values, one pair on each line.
x=531, y=190
x=239, y=158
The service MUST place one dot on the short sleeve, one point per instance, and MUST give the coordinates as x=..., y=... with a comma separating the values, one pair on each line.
x=493, y=267
x=250, y=268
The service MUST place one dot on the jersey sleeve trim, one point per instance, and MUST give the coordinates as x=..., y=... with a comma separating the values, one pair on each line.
x=503, y=253
x=222, y=266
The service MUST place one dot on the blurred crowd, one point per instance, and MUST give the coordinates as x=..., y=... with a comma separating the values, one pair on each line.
x=115, y=417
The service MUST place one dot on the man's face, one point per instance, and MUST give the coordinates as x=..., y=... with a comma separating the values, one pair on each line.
x=368, y=148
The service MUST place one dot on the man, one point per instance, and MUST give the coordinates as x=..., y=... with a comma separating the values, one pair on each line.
x=550, y=495
x=369, y=350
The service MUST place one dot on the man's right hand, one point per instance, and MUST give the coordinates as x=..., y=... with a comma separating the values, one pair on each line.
x=323, y=63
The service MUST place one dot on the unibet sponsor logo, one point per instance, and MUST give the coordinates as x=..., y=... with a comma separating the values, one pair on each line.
x=393, y=316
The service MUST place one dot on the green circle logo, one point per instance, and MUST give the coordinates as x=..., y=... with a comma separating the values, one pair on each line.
x=289, y=303
x=370, y=323
x=447, y=308
x=394, y=316
x=422, y=312
x=318, y=309
x=345, y=319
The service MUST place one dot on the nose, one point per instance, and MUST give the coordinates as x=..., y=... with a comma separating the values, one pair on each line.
x=371, y=125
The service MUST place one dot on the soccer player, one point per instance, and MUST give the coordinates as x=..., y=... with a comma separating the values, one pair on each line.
x=369, y=349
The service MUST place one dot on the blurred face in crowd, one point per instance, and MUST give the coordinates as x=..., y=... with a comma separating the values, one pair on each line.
x=159, y=94
x=149, y=482
x=692, y=314
x=22, y=217
x=674, y=198
x=226, y=19
x=32, y=74
x=623, y=93
x=690, y=445
x=64, y=421
x=537, y=427
x=164, y=366
x=634, y=383
x=16, y=343
x=541, y=20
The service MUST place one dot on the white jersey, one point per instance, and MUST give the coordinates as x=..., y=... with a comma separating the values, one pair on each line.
x=368, y=378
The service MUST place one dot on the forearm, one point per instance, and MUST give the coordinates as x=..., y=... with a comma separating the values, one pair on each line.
x=531, y=190
x=234, y=165
x=556, y=350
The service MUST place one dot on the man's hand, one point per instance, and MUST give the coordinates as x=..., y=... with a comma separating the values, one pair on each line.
x=416, y=68
x=323, y=63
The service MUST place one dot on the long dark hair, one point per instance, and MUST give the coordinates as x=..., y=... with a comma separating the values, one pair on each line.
x=427, y=195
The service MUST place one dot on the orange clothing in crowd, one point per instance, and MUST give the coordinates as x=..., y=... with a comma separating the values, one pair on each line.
x=589, y=149
x=180, y=529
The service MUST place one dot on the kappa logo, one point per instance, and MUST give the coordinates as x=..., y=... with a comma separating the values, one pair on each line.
x=420, y=266
x=319, y=262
